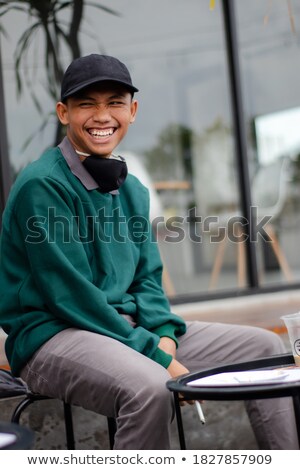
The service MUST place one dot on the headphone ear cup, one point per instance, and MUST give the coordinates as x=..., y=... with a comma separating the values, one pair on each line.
x=109, y=173
x=123, y=174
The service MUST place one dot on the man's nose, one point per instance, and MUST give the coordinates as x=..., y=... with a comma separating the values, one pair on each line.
x=102, y=114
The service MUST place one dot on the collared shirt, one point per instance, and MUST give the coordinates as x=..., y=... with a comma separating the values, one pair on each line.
x=76, y=167
x=73, y=160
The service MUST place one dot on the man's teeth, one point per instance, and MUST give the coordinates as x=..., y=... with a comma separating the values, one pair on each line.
x=101, y=133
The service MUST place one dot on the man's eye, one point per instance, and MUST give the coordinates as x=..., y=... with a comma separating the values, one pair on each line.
x=116, y=103
x=85, y=104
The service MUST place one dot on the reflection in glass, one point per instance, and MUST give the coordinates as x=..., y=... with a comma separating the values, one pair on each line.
x=270, y=73
x=182, y=137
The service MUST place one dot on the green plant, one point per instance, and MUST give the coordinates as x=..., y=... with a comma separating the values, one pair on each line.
x=48, y=17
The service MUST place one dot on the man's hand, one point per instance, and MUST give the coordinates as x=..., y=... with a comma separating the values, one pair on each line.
x=175, y=369
x=168, y=345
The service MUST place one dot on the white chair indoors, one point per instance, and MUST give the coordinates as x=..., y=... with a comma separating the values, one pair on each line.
x=269, y=193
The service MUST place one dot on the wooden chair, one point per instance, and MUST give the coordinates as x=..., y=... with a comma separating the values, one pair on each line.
x=269, y=191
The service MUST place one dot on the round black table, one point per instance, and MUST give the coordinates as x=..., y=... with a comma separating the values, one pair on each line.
x=182, y=391
x=13, y=437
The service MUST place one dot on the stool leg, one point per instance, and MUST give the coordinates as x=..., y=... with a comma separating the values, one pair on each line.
x=296, y=400
x=20, y=408
x=179, y=422
x=112, y=427
x=69, y=426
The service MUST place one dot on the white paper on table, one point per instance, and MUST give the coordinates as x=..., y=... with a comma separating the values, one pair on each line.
x=248, y=377
x=6, y=439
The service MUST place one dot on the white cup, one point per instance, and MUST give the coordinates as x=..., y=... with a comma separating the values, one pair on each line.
x=292, y=323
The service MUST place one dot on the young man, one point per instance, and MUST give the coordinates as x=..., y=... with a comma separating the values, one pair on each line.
x=80, y=285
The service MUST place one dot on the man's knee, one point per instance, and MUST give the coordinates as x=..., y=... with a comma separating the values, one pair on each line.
x=155, y=387
x=268, y=343
x=153, y=393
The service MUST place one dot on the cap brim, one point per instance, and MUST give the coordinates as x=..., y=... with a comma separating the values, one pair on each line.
x=90, y=82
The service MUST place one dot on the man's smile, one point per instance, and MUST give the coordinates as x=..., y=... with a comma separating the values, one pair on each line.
x=101, y=132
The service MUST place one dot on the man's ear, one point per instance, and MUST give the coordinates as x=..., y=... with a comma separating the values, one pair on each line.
x=62, y=113
x=134, y=107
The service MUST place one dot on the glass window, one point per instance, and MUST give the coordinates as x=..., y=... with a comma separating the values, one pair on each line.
x=182, y=143
x=269, y=56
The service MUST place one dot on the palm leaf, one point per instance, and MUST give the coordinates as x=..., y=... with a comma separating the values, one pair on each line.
x=21, y=49
x=104, y=8
x=9, y=8
x=60, y=31
x=45, y=17
x=2, y=30
x=61, y=6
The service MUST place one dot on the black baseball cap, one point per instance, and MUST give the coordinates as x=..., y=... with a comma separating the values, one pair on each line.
x=94, y=68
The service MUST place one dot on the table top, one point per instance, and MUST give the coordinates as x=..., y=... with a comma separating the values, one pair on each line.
x=238, y=392
x=14, y=436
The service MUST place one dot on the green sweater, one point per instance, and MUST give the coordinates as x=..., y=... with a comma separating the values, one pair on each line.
x=70, y=257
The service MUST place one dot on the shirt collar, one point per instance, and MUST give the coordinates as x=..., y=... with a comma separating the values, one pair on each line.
x=76, y=167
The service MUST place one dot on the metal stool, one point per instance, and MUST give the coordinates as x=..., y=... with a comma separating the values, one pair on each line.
x=13, y=387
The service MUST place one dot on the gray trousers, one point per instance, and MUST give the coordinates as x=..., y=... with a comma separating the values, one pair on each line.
x=102, y=375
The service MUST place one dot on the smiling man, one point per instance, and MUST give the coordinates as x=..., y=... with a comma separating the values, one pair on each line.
x=98, y=120
x=80, y=291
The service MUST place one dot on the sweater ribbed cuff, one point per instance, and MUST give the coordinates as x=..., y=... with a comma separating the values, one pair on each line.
x=164, y=359
x=167, y=330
